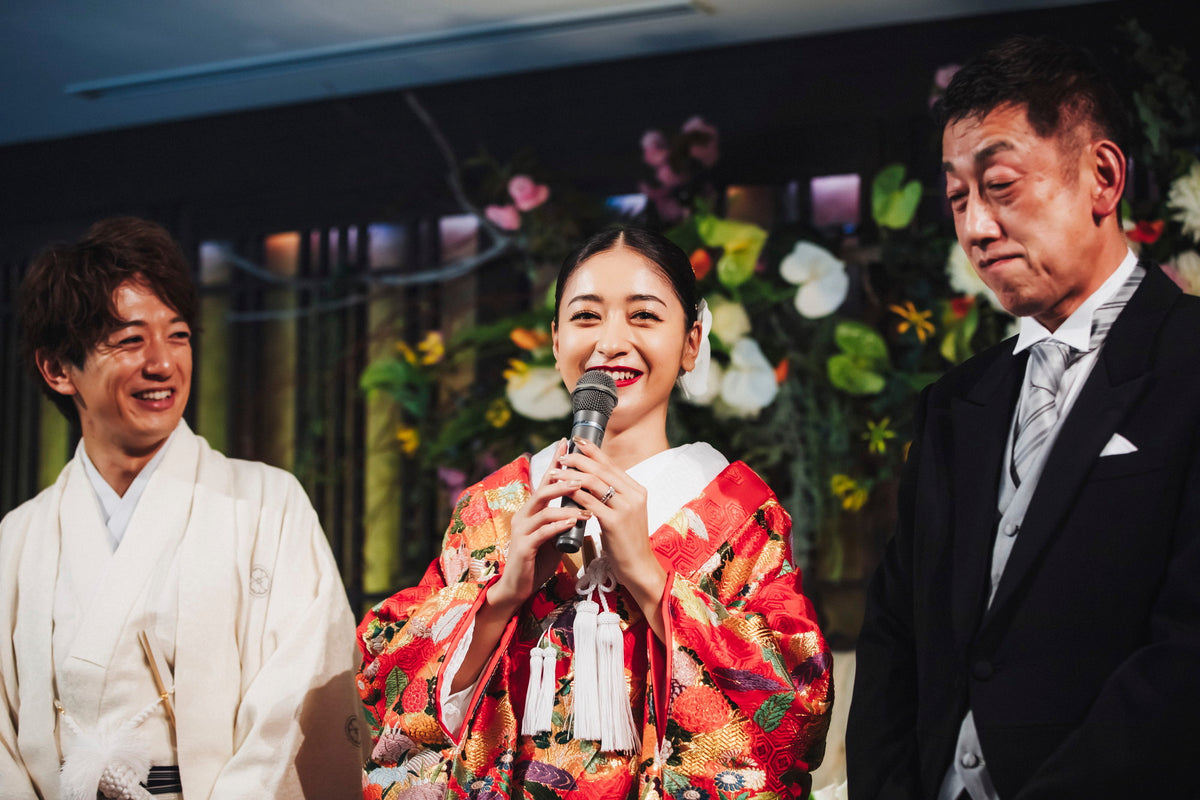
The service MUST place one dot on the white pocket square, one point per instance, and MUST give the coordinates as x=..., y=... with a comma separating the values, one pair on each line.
x=1118, y=445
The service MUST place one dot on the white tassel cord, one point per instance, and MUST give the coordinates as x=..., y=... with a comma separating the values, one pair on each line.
x=585, y=688
x=545, y=705
x=602, y=708
x=533, y=693
x=618, y=731
x=112, y=761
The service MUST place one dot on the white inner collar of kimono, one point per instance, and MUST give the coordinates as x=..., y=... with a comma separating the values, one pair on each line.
x=117, y=509
x=671, y=478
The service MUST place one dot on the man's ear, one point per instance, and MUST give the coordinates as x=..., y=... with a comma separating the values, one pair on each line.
x=55, y=374
x=1108, y=170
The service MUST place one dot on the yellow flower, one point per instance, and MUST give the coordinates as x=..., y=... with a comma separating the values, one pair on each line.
x=848, y=490
x=877, y=435
x=855, y=500
x=498, y=413
x=840, y=484
x=409, y=439
x=912, y=318
x=432, y=347
x=516, y=368
x=529, y=338
x=406, y=352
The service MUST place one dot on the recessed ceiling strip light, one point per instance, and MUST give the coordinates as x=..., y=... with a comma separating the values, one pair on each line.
x=483, y=33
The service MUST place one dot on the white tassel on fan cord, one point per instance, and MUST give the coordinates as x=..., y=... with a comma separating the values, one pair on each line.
x=113, y=761
x=585, y=689
x=531, y=719
x=602, y=708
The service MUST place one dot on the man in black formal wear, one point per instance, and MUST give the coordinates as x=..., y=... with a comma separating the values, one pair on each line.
x=1034, y=628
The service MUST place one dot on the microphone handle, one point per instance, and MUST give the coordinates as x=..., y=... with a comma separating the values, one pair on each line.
x=587, y=425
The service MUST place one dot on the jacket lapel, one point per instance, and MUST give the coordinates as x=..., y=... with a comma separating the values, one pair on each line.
x=1117, y=380
x=980, y=419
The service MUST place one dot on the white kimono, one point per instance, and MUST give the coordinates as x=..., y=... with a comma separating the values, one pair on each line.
x=224, y=563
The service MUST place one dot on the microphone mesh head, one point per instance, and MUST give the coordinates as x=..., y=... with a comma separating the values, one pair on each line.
x=595, y=391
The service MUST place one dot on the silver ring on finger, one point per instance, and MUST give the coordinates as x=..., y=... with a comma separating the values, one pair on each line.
x=608, y=495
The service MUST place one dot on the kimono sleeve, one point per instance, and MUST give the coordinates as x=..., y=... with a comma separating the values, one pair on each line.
x=406, y=639
x=296, y=725
x=746, y=660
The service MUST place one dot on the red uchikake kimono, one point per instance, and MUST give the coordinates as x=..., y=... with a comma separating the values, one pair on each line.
x=735, y=708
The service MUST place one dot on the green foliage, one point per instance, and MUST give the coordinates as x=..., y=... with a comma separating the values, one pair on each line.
x=403, y=382
x=772, y=711
x=741, y=241
x=864, y=356
x=894, y=202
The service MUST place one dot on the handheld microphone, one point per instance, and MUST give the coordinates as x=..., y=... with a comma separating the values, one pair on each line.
x=592, y=403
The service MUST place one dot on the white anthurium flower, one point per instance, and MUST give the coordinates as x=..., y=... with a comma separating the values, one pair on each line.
x=964, y=279
x=538, y=393
x=1184, y=197
x=1187, y=265
x=730, y=320
x=748, y=386
x=821, y=276
x=711, y=389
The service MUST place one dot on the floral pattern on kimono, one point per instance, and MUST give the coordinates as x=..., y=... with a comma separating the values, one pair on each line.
x=735, y=707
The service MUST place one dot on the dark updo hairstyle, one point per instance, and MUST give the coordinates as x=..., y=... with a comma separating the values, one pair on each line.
x=1062, y=87
x=664, y=255
x=68, y=298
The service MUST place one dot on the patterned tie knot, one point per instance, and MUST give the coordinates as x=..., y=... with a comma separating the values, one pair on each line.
x=1050, y=360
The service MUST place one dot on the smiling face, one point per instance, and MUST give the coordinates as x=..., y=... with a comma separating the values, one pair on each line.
x=134, y=384
x=1032, y=213
x=620, y=314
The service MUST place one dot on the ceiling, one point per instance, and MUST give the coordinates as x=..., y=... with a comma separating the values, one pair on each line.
x=69, y=67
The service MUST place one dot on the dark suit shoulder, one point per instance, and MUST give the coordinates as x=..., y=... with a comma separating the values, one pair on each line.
x=960, y=378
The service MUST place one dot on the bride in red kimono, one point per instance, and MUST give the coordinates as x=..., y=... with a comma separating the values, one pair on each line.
x=684, y=662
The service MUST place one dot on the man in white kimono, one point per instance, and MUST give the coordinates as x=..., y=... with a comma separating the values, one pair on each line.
x=172, y=622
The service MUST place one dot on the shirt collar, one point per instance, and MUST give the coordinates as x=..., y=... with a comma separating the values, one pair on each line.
x=1076, y=330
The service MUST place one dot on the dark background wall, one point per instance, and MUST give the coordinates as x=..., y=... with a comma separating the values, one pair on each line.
x=846, y=102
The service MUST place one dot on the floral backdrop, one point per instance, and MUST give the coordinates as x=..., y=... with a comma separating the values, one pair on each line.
x=822, y=339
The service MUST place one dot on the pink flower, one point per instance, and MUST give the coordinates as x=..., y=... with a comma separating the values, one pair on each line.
x=526, y=194
x=655, y=150
x=668, y=177
x=506, y=217
x=704, y=149
x=455, y=480
x=942, y=77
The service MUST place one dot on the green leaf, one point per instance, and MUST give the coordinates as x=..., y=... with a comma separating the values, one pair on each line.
x=775, y=658
x=771, y=712
x=400, y=380
x=686, y=236
x=742, y=243
x=862, y=342
x=893, y=202
x=673, y=781
x=956, y=343
x=397, y=682
x=384, y=374
x=847, y=375
x=539, y=792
